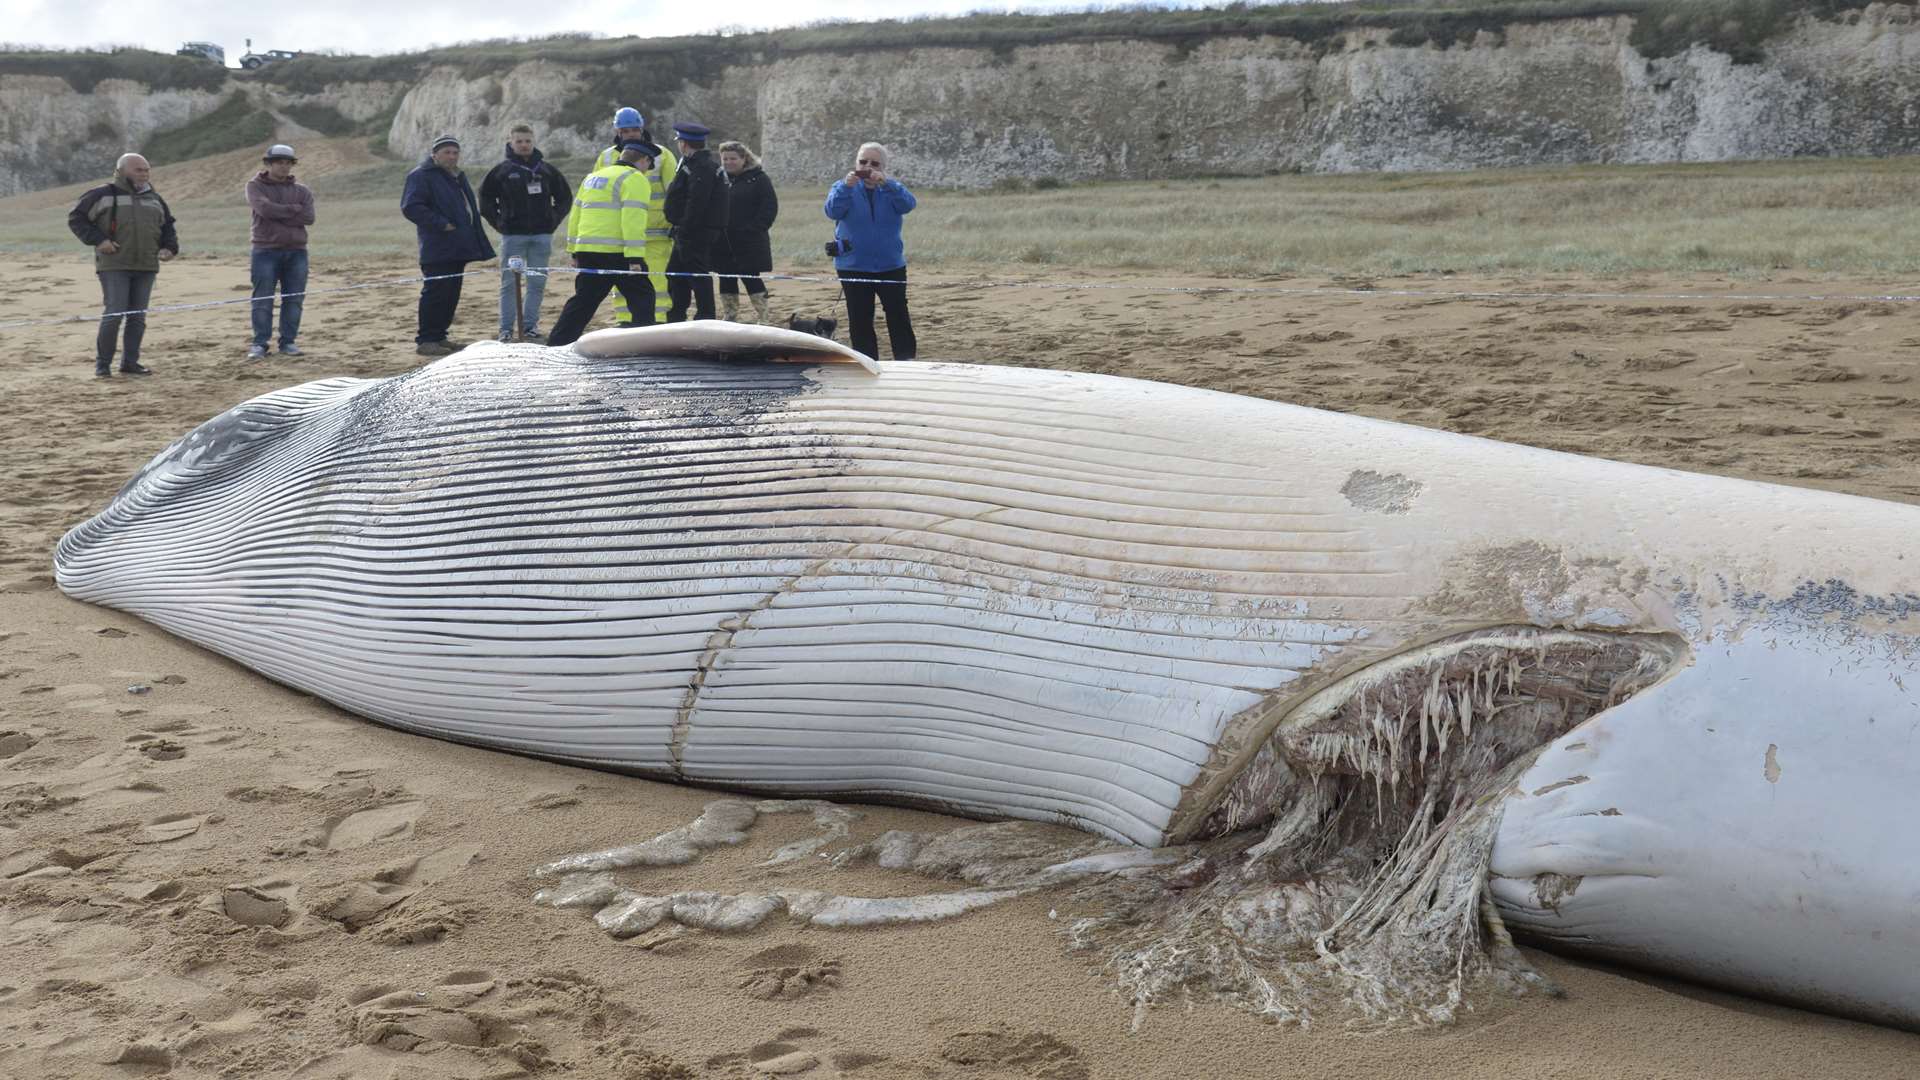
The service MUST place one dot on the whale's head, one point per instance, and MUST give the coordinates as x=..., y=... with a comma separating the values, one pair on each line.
x=195, y=496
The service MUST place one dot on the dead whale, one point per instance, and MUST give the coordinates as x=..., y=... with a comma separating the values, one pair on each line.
x=1664, y=718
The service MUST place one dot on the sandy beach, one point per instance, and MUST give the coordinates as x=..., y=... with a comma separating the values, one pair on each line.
x=206, y=874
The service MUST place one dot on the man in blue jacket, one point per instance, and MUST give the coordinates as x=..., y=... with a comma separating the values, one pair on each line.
x=866, y=206
x=441, y=205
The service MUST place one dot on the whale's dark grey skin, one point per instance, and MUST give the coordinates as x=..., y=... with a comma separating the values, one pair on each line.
x=1676, y=711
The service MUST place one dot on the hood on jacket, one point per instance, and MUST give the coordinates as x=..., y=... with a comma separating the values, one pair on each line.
x=532, y=159
x=264, y=177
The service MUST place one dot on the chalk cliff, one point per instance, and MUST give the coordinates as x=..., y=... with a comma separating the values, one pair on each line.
x=1553, y=90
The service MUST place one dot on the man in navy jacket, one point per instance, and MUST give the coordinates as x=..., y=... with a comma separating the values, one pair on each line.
x=524, y=199
x=440, y=203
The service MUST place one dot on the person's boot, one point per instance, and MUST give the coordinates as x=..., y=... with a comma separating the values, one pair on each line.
x=103, y=369
x=730, y=306
x=761, y=312
x=132, y=367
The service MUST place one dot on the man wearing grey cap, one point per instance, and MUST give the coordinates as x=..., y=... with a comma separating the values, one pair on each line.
x=282, y=210
x=446, y=215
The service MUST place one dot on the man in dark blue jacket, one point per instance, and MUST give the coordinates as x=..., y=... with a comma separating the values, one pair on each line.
x=440, y=203
x=524, y=199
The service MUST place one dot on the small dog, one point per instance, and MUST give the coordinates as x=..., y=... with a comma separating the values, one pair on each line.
x=821, y=327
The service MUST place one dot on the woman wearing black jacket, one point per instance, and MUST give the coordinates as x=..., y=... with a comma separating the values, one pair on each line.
x=751, y=208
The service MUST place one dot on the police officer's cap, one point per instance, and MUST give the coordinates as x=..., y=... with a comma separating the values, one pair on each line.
x=692, y=132
x=643, y=146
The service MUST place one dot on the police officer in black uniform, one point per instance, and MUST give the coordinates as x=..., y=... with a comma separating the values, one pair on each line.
x=697, y=210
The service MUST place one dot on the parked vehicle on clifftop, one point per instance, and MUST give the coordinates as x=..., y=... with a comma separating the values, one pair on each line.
x=253, y=61
x=205, y=50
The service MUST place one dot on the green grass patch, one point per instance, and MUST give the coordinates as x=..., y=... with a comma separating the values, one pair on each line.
x=85, y=69
x=1739, y=28
x=324, y=119
x=1828, y=217
x=238, y=123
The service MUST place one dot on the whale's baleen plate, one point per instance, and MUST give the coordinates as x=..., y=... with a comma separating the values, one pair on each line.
x=1676, y=712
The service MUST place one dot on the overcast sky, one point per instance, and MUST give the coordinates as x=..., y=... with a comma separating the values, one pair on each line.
x=382, y=26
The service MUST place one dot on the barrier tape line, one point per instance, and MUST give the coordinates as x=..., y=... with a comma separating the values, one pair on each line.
x=975, y=283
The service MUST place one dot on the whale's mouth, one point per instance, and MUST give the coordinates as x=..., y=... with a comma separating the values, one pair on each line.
x=1410, y=734
x=1356, y=839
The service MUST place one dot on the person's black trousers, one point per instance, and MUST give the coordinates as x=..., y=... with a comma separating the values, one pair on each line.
x=590, y=289
x=693, y=256
x=438, y=300
x=893, y=298
x=730, y=286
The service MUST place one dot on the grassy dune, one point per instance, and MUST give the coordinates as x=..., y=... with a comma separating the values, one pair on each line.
x=1839, y=217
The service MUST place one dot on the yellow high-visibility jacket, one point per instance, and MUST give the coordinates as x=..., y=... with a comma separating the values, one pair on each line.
x=660, y=177
x=610, y=212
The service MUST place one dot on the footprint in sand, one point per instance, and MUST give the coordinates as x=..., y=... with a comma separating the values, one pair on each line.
x=170, y=827
x=357, y=905
x=159, y=749
x=393, y=821
x=796, y=1051
x=1030, y=1053
x=785, y=972
x=268, y=903
x=445, y=1016
x=15, y=743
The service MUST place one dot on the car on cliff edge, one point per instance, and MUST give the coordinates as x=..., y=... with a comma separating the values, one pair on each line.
x=253, y=61
x=205, y=50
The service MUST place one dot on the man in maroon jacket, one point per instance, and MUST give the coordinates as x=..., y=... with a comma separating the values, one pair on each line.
x=282, y=210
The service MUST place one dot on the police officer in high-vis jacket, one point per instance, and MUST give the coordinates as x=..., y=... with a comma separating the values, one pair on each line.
x=628, y=125
x=608, y=231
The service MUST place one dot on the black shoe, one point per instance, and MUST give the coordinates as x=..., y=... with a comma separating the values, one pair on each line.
x=132, y=367
x=102, y=371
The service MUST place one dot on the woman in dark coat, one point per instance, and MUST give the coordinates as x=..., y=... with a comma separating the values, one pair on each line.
x=751, y=208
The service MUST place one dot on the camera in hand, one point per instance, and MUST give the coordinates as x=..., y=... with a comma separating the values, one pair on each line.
x=838, y=247
x=864, y=174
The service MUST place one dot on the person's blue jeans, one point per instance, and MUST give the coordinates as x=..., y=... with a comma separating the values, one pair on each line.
x=287, y=269
x=537, y=249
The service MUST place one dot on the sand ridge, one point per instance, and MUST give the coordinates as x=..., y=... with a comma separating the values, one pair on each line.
x=203, y=873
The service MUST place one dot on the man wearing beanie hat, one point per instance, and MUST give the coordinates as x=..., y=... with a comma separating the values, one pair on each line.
x=697, y=210
x=628, y=125
x=282, y=209
x=440, y=203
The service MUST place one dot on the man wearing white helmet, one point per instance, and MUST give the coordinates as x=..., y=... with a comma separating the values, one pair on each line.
x=629, y=125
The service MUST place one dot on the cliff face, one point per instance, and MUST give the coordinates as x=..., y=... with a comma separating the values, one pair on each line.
x=50, y=134
x=1558, y=91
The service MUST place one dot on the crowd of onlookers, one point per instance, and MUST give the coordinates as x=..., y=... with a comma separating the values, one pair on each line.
x=650, y=224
